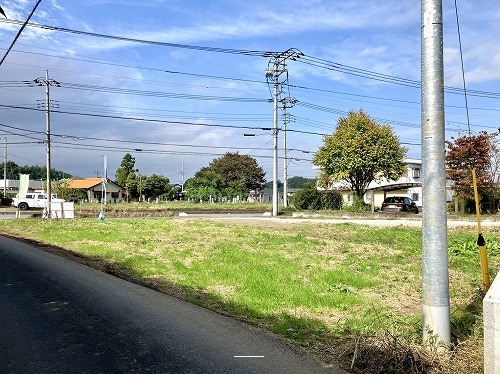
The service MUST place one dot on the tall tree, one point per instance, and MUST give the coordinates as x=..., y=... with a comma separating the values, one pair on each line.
x=301, y=182
x=126, y=167
x=360, y=151
x=206, y=183
x=239, y=169
x=156, y=185
x=466, y=153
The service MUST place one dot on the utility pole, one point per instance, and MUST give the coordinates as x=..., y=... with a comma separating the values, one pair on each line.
x=47, y=83
x=182, y=174
x=285, y=171
x=5, y=168
x=105, y=179
x=435, y=278
x=287, y=102
x=276, y=67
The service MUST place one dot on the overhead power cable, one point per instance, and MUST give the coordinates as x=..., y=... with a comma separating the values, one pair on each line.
x=150, y=120
x=23, y=25
x=245, y=52
x=136, y=143
x=128, y=91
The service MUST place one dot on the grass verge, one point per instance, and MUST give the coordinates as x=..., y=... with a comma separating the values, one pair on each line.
x=347, y=292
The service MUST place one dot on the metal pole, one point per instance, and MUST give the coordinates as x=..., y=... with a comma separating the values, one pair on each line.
x=105, y=177
x=435, y=278
x=285, y=161
x=47, y=107
x=5, y=168
x=275, y=147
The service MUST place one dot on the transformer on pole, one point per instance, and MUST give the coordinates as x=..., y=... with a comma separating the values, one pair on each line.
x=276, y=67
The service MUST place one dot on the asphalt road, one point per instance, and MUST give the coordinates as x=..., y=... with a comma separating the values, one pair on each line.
x=58, y=316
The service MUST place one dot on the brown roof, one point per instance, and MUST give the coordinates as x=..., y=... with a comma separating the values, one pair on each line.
x=84, y=183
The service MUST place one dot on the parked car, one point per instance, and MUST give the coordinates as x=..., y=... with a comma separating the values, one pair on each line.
x=34, y=201
x=399, y=204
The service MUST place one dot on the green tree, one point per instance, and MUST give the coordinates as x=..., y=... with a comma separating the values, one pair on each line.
x=269, y=185
x=131, y=186
x=156, y=185
x=243, y=169
x=206, y=183
x=360, y=151
x=126, y=167
x=301, y=182
x=69, y=194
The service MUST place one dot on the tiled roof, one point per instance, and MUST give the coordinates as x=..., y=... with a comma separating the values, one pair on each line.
x=84, y=183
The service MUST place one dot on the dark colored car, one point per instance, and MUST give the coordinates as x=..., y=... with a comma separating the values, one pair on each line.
x=399, y=204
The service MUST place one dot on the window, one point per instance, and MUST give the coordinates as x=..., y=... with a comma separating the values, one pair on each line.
x=414, y=196
x=416, y=173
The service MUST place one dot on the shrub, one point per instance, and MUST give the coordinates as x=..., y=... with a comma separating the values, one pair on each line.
x=358, y=205
x=331, y=200
x=312, y=199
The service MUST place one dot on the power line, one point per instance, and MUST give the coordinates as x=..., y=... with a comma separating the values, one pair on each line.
x=244, y=52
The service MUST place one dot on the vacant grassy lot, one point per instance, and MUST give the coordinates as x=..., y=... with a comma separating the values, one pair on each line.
x=336, y=289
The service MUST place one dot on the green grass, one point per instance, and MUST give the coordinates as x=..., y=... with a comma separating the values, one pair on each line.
x=175, y=205
x=322, y=285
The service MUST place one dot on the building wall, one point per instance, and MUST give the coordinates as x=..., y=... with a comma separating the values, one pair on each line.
x=113, y=193
x=12, y=186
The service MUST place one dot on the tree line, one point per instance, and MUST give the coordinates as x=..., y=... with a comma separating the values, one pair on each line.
x=35, y=172
x=139, y=186
x=358, y=152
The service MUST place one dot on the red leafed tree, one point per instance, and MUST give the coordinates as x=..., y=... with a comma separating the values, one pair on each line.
x=466, y=153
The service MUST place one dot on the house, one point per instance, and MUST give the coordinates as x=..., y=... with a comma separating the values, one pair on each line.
x=409, y=184
x=11, y=186
x=94, y=188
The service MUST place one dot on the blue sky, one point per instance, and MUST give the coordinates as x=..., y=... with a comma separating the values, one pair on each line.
x=174, y=107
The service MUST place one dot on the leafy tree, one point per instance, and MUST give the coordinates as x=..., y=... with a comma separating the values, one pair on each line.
x=69, y=194
x=360, y=151
x=301, y=182
x=156, y=185
x=234, y=167
x=236, y=188
x=131, y=186
x=206, y=183
x=471, y=152
x=126, y=167
x=269, y=185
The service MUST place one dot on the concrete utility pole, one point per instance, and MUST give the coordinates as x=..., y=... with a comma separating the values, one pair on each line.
x=287, y=103
x=276, y=67
x=5, y=168
x=435, y=279
x=105, y=178
x=47, y=83
x=285, y=166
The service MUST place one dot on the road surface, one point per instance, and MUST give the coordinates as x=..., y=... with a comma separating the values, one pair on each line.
x=58, y=316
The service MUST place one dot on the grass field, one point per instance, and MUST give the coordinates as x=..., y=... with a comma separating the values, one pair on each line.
x=336, y=289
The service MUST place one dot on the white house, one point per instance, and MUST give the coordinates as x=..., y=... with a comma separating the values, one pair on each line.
x=409, y=184
x=95, y=189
